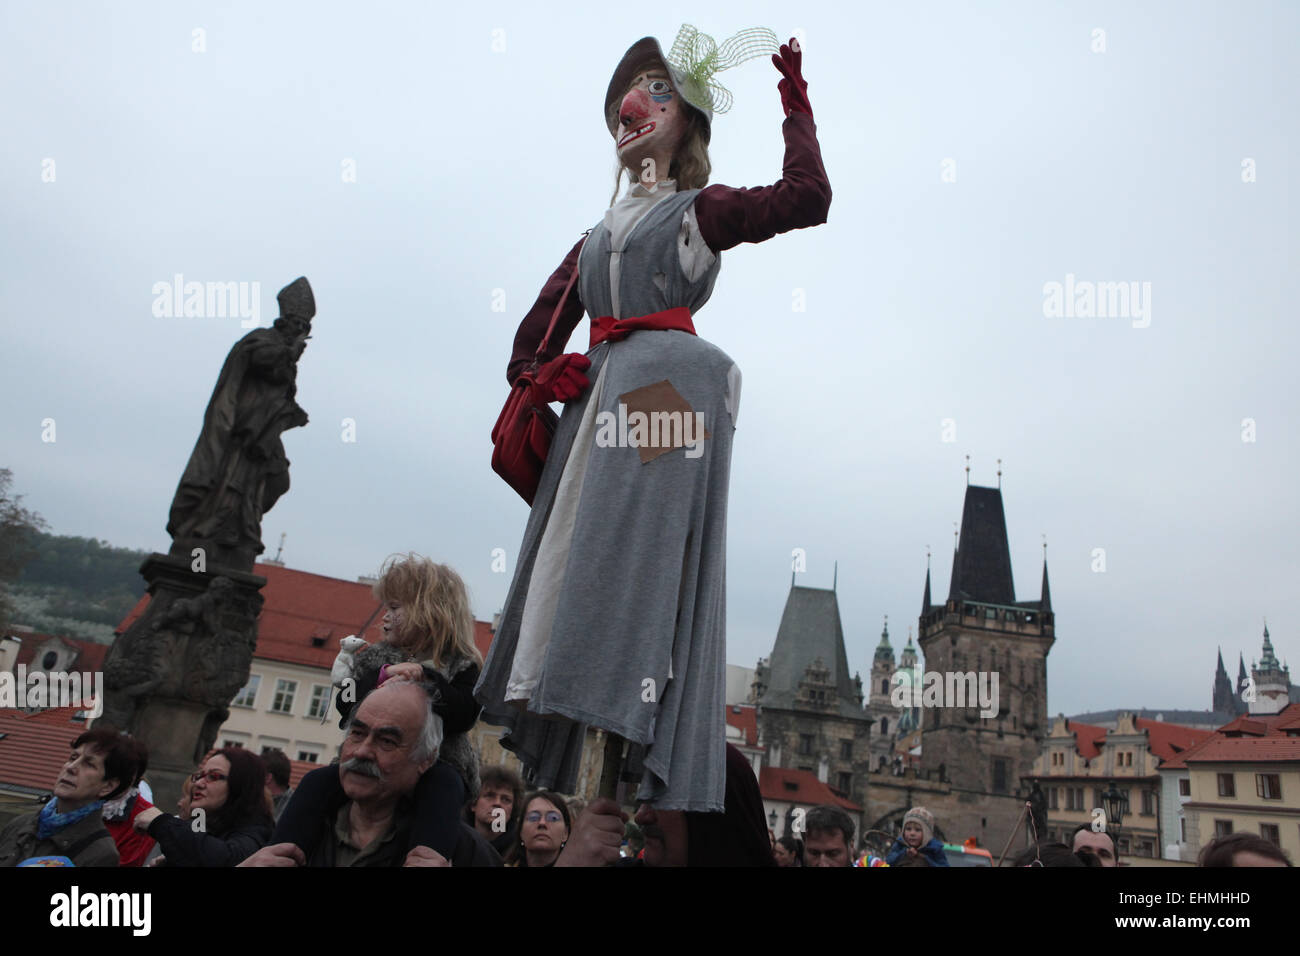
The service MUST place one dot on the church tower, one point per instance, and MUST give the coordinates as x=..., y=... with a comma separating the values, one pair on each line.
x=884, y=715
x=1272, y=682
x=981, y=628
x=1225, y=700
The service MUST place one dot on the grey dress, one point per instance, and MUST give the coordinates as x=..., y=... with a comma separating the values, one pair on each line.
x=617, y=610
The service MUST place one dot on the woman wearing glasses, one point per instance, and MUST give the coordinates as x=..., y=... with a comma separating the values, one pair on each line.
x=544, y=831
x=230, y=815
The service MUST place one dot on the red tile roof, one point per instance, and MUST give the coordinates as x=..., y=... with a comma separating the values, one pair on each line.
x=299, y=769
x=1248, y=749
x=745, y=719
x=1087, y=739
x=780, y=784
x=1166, y=741
x=34, y=748
x=1248, y=738
x=301, y=606
x=90, y=654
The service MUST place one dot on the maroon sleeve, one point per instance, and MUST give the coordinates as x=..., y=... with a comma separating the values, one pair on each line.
x=533, y=328
x=801, y=198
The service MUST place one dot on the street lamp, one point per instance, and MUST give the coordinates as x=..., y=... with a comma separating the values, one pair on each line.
x=1115, y=804
x=771, y=819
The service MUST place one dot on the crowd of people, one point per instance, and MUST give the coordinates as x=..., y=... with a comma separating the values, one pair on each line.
x=407, y=789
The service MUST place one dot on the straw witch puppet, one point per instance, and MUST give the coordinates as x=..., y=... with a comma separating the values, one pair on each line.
x=616, y=614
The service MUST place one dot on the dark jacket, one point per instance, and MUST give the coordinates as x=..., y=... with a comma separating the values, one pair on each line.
x=471, y=848
x=18, y=842
x=932, y=851
x=183, y=847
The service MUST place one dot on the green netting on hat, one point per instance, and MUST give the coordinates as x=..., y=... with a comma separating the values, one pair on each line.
x=697, y=57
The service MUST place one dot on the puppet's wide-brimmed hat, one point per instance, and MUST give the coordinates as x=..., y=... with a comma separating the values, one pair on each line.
x=691, y=63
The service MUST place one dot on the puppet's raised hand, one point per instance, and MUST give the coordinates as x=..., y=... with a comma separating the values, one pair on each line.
x=561, y=379
x=793, y=87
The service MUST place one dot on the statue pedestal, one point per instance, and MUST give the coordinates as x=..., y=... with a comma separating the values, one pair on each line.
x=170, y=677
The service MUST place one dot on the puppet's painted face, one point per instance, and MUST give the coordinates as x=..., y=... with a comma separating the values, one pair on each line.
x=650, y=119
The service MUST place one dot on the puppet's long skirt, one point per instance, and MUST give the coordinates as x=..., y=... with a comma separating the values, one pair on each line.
x=616, y=617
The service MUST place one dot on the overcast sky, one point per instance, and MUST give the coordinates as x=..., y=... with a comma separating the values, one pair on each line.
x=1108, y=142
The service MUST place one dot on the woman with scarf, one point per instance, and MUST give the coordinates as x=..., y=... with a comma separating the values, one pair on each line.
x=69, y=830
x=616, y=615
x=230, y=814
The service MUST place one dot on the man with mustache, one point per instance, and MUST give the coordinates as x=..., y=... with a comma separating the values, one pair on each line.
x=393, y=737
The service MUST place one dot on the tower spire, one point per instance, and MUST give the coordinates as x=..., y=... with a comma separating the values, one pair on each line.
x=925, y=599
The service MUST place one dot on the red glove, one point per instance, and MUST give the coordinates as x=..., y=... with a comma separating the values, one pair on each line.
x=561, y=379
x=793, y=87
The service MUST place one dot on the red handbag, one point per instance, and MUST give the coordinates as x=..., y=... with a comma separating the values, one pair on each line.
x=522, y=435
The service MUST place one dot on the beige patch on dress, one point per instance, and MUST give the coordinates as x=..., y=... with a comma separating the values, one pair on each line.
x=670, y=419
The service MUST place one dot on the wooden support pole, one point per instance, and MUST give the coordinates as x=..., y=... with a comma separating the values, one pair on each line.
x=611, y=767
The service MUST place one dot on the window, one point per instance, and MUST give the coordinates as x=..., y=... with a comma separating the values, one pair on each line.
x=284, y=691
x=1148, y=802
x=233, y=743
x=846, y=750
x=1182, y=829
x=805, y=743
x=1124, y=846
x=884, y=726
x=846, y=782
x=1052, y=798
x=248, y=696
x=1222, y=827
x=320, y=700
x=999, y=775
x=1227, y=787
x=1184, y=788
x=1268, y=786
x=884, y=687
x=309, y=756
x=1146, y=848
x=1269, y=832
x=1097, y=801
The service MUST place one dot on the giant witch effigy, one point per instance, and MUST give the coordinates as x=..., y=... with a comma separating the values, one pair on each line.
x=616, y=616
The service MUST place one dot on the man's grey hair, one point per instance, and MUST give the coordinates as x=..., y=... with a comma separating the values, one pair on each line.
x=828, y=819
x=430, y=740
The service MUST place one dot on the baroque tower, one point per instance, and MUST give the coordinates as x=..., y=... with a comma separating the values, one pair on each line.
x=982, y=628
x=884, y=715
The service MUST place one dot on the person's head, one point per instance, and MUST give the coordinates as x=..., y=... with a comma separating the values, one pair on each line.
x=427, y=612
x=666, y=835
x=392, y=738
x=1242, y=849
x=500, y=800
x=735, y=837
x=230, y=788
x=1099, y=844
x=909, y=860
x=828, y=837
x=103, y=765
x=650, y=121
x=545, y=827
x=1054, y=855
x=918, y=827
x=277, y=770
x=786, y=851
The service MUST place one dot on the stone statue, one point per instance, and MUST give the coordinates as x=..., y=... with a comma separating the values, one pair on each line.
x=170, y=677
x=238, y=469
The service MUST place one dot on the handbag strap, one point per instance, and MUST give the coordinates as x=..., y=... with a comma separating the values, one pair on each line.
x=546, y=339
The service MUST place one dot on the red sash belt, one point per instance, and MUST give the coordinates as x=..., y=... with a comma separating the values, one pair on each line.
x=606, y=328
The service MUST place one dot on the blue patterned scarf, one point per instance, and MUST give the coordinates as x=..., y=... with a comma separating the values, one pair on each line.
x=50, y=821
